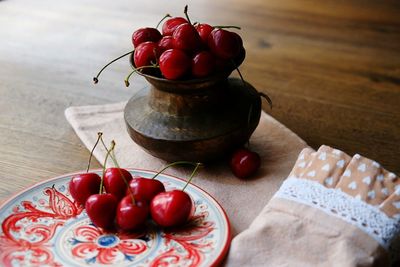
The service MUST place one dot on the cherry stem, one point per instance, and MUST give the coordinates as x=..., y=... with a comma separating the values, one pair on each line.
x=166, y=16
x=96, y=79
x=104, y=167
x=137, y=70
x=114, y=159
x=227, y=27
x=99, y=134
x=174, y=164
x=191, y=176
x=266, y=97
x=249, y=116
x=186, y=13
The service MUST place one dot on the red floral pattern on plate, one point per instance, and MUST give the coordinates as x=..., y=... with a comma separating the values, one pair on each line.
x=42, y=226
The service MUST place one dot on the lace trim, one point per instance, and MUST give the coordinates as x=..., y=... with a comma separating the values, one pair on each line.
x=334, y=202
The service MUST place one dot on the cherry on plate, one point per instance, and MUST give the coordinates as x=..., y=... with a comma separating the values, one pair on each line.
x=101, y=209
x=131, y=215
x=145, y=35
x=114, y=181
x=83, y=185
x=145, y=188
x=172, y=208
x=245, y=163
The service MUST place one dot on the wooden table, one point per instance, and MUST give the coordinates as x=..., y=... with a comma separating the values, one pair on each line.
x=332, y=69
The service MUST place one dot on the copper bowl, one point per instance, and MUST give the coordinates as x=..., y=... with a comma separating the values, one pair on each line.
x=197, y=120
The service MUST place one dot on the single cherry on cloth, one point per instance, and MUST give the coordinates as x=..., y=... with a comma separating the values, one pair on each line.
x=204, y=31
x=114, y=181
x=83, y=185
x=174, y=64
x=224, y=44
x=245, y=163
x=203, y=64
x=145, y=35
x=171, y=24
x=145, y=54
x=172, y=208
x=132, y=215
x=101, y=209
x=186, y=37
x=145, y=188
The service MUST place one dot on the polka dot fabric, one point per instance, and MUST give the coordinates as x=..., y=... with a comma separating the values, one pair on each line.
x=358, y=176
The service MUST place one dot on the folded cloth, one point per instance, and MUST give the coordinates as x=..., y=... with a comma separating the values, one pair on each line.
x=242, y=199
x=333, y=210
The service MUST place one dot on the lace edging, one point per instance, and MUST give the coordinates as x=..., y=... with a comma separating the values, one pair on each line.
x=368, y=218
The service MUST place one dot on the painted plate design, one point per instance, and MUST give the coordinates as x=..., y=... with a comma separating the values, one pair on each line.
x=42, y=226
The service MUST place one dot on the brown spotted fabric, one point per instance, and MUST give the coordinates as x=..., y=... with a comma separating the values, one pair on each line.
x=358, y=176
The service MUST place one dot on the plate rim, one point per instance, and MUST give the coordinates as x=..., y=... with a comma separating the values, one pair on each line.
x=218, y=259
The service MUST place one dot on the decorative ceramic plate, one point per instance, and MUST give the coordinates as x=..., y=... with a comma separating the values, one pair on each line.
x=42, y=226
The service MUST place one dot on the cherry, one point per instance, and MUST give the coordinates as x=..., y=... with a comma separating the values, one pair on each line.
x=174, y=64
x=101, y=209
x=203, y=64
x=238, y=38
x=145, y=54
x=175, y=207
x=171, y=24
x=186, y=37
x=83, y=186
x=86, y=184
x=132, y=215
x=245, y=163
x=144, y=188
x=171, y=208
x=204, y=31
x=114, y=181
x=224, y=44
x=145, y=35
x=165, y=43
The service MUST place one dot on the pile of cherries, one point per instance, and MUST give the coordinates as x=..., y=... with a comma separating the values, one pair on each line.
x=183, y=50
x=130, y=201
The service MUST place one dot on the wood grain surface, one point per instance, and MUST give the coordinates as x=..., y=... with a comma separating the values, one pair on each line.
x=332, y=69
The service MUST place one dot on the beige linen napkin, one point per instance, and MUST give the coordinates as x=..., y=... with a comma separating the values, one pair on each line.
x=333, y=210
x=242, y=199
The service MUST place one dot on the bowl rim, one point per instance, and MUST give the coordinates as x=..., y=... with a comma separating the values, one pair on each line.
x=218, y=76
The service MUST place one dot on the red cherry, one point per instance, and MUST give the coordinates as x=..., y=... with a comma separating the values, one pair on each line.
x=114, y=181
x=238, y=38
x=245, y=163
x=145, y=54
x=204, y=31
x=185, y=37
x=224, y=44
x=83, y=186
x=165, y=43
x=101, y=209
x=132, y=216
x=145, y=35
x=174, y=64
x=171, y=24
x=171, y=208
x=203, y=64
x=222, y=65
x=144, y=188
